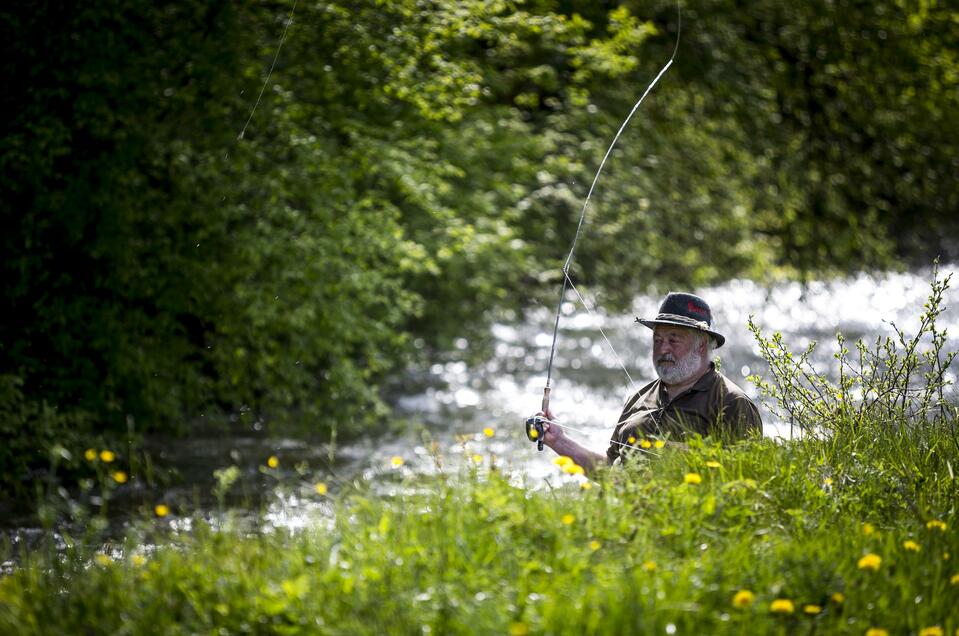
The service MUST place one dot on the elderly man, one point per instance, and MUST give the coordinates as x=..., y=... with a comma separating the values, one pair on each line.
x=690, y=396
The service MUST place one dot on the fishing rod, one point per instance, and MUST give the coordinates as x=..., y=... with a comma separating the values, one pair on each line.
x=535, y=430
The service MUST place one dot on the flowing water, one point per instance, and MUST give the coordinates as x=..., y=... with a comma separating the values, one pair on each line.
x=589, y=387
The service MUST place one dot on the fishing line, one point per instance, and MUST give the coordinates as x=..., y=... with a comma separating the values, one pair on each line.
x=579, y=226
x=289, y=22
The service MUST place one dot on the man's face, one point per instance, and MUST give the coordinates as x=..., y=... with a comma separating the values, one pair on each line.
x=678, y=353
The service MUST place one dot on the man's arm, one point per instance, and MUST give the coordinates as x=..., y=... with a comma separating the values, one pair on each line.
x=557, y=439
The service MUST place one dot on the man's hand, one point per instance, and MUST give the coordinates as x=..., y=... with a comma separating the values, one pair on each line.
x=552, y=434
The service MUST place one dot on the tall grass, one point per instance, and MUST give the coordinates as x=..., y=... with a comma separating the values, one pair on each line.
x=849, y=528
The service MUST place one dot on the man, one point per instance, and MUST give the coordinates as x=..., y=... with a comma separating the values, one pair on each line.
x=689, y=397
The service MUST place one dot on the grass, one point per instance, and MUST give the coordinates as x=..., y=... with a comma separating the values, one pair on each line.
x=641, y=550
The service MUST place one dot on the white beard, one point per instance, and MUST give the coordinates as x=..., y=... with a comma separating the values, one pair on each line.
x=681, y=370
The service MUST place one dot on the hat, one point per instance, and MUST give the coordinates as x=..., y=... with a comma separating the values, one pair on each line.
x=685, y=310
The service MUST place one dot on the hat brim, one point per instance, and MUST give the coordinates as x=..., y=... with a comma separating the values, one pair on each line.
x=651, y=323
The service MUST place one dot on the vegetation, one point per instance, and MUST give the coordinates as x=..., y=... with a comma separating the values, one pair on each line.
x=849, y=529
x=412, y=170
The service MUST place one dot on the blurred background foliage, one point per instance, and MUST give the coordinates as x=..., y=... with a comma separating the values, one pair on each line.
x=414, y=170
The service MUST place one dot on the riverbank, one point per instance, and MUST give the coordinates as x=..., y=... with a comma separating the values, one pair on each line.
x=836, y=536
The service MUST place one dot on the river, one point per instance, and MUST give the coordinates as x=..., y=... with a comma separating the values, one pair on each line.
x=447, y=419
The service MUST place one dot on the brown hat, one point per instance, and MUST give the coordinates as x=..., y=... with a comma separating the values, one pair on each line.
x=685, y=310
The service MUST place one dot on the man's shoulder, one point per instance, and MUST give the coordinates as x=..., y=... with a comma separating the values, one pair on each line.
x=729, y=389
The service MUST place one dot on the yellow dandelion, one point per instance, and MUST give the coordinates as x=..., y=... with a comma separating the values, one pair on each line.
x=782, y=606
x=868, y=529
x=827, y=481
x=743, y=598
x=107, y=456
x=811, y=609
x=161, y=510
x=649, y=566
x=320, y=489
x=935, y=524
x=396, y=461
x=838, y=598
x=562, y=460
x=954, y=580
x=567, y=519
x=120, y=477
x=646, y=443
x=138, y=560
x=712, y=463
x=911, y=545
x=586, y=485
x=488, y=432
x=90, y=454
x=273, y=461
x=870, y=562
x=692, y=478
x=518, y=629
x=595, y=545
x=631, y=440
x=935, y=630
x=103, y=559
x=659, y=443
x=574, y=469
x=876, y=631
x=477, y=458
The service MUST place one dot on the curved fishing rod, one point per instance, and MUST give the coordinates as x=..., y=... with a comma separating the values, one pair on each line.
x=567, y=282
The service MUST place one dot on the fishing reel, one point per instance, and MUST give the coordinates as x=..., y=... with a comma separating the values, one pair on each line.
x=535, y=431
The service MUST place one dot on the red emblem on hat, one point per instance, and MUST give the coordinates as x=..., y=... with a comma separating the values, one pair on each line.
x=696, y=309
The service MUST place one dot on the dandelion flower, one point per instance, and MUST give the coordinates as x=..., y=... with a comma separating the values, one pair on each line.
x=876, y=631
x=712, y=463
x=811, y=609
x=631, y=440
x=562, y=460
x=396, y=461
x=743, y=598
x=911, y=545
x=838, y=598
x=107, y=456
x=477, y=458
x=320, y=489
x=103, y=559
x=488, y=432
x=782, y=606
x=870, y=562
x=586, y=485
x=692, y=478
x=646, y=443
x=574, y=469
x=161, y=510
x=935, y=524
x=518, y=629
x=649, y=566
x=935, y=630
x=90, y=454
x=868, y=529
x=120, y=477
x=138, y=560
x=659, y=443
x=954, y=580
x=595, y=545
x=827, y=481
x=273, y=461
x=567, y=519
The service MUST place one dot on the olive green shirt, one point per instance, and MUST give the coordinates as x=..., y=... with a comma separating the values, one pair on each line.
x=713, y=406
